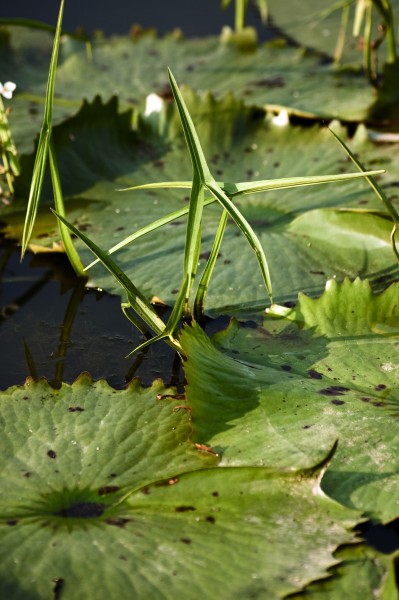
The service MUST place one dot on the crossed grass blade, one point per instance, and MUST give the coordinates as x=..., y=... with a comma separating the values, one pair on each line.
x=222, y=192
x=254, y=187
x=203, y=179
x=201, y=174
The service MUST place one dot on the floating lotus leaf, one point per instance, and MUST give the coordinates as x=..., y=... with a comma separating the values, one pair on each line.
x=282, y=393
x=272, y=75
x=317, y=23
x=103, y=490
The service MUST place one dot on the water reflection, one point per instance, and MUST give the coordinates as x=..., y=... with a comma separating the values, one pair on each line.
x=52, y=326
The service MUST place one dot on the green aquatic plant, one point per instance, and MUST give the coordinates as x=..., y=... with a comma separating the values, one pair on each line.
x=9, y=155
x=46, y=155
x=241, y=7
x=202, y=183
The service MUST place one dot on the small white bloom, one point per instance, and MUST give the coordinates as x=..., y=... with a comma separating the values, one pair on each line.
x=7, y=89
x=282, y=119
x=153, y=103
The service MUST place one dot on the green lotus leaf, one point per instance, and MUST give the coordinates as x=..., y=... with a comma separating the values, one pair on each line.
x=99, y=154
x=103, y=490
x=283, y=392
x=272, y=75
x=316, y=24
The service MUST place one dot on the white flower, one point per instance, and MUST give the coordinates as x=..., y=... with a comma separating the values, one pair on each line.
x=282, y=119
x=7, y=89
x=153, y=104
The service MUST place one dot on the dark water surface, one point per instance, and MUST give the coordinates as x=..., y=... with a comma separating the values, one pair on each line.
x=52, y=326
x=195, y=18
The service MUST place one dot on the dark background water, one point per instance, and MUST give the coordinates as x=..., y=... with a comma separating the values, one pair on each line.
x=195, y=18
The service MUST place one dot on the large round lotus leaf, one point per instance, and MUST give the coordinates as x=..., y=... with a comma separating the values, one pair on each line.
x=102, y=493
x=317, y=24
x=271, y=75
x=98, y=154
x=282, y=393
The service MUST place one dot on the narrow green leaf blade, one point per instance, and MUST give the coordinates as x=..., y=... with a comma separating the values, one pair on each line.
x=161, y=184
x=197, y=156
x=251, y=187
x=39, y=168
x=70, y=249
x=39, y=171
x=203, y=285
x=149, y=229
x=377, y=189
x=246, y=229
x=138, y=302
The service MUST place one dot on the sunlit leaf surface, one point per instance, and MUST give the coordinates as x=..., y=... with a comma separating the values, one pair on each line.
x=103, y=490
x=281, y=394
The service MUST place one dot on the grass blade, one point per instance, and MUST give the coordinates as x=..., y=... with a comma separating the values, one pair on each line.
x=149, y=229
x=161, y=184
x=193, y=238
x=59, y=206
x=39, y=168
x=253, y=187
x=203, y=285
x=136, y=300
x=171, y=326
x=197, y=156
x=246, y=229
x=377, y=189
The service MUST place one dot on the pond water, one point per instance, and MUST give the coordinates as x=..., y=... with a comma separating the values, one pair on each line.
x=52, y=326
x=193, y=18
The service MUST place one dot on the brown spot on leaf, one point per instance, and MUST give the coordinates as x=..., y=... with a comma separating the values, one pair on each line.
x=117, y=521
x=184, y=508
x=108, y=489
x=210, y=519
x=314, y=374
x=270, y=82
x=334, y=390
